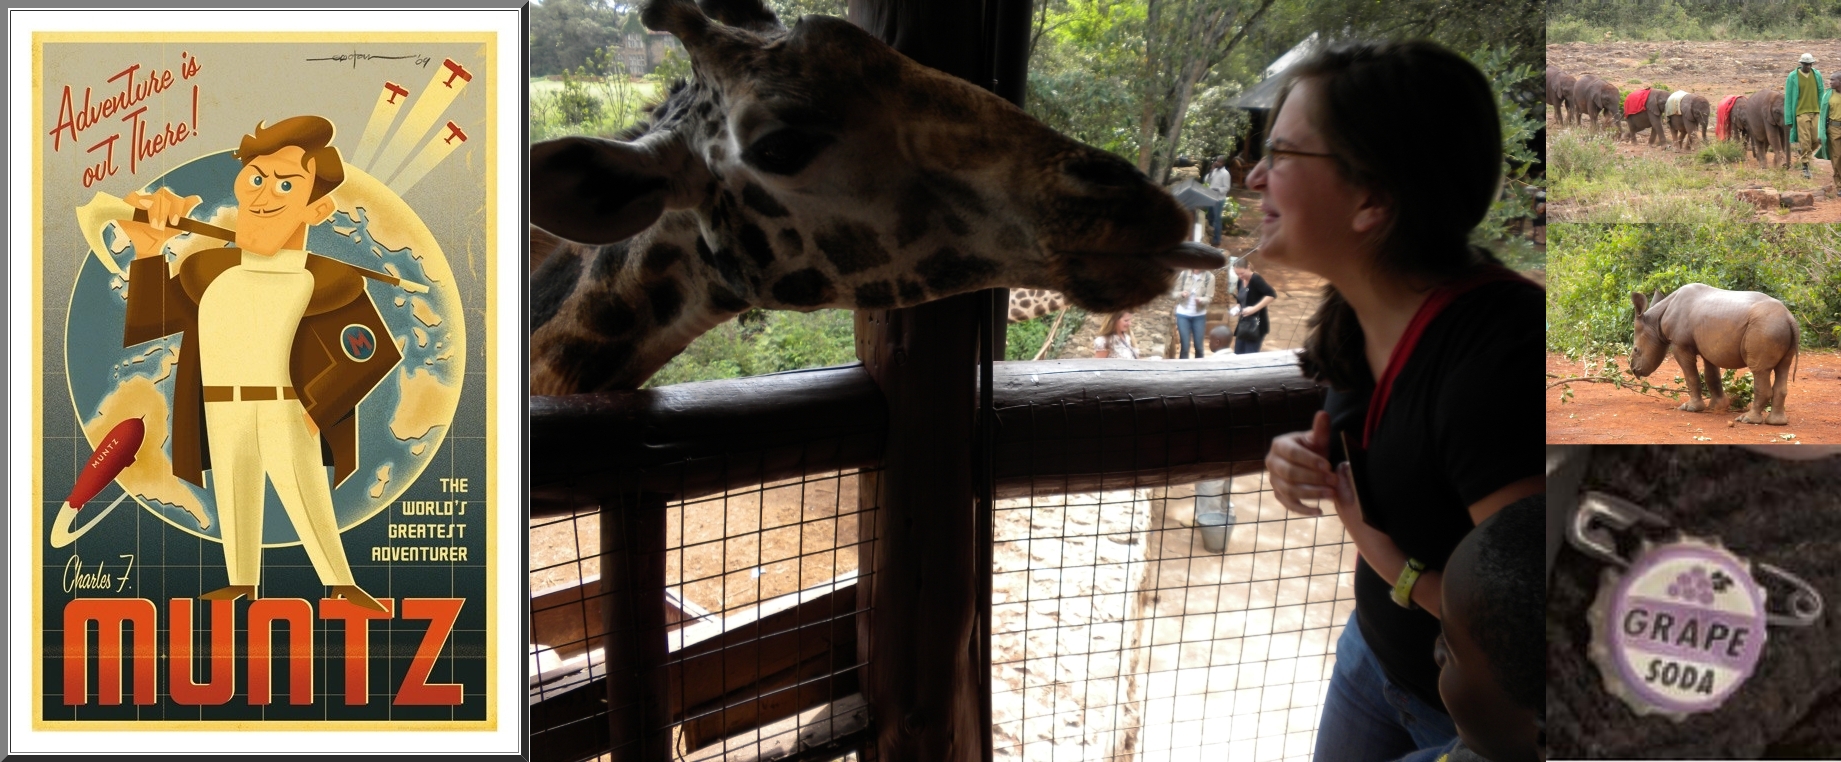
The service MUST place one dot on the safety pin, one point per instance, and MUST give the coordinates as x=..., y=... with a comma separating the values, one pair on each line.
x=1611, y=511
x=1600, y=514
x=1805, y=603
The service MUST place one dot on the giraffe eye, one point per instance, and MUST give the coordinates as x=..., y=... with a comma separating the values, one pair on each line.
x=785, y=152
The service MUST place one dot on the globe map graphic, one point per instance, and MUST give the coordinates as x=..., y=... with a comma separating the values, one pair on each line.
x=401, y=424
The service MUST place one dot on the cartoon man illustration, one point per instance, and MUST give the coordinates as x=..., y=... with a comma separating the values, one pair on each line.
x=279, y=347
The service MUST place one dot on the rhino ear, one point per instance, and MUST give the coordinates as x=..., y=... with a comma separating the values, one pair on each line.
x=1654, y=297
x=1641, y=302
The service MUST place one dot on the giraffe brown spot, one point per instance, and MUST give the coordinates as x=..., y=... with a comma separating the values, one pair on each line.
x=959, y=193
x=717, y=152
x=703, y=110
x=660, y=257
x=597, y=363
x=852, y=247
x=726, y=300
x=667, y=301
x=947, y=271
x=759, y=200
x=607, y=262
x=704, y=253
x=1017, y=315
x=612, y=317
x=877, y=295
x=911, y=291
x=754, y=242
x=804, y=288
x=552, y=284
x=791, y=242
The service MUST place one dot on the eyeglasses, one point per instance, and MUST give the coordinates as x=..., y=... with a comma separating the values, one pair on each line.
x=1272, y=154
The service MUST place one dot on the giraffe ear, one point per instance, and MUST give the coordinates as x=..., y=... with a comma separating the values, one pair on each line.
x=592, y=190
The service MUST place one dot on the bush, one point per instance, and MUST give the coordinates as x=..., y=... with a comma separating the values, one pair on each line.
x=1023, y=340
x=575, y=105
x=1581, y=153
x=762, y=341
x=1721, y=152
x=1594, y=268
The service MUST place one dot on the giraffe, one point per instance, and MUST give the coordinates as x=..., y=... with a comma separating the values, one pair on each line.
x=1031, y=303
x=816, y=167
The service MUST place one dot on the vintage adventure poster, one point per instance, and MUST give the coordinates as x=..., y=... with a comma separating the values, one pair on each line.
x=271, y=469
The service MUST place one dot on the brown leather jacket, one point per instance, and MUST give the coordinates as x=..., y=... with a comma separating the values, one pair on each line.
x=329, y=381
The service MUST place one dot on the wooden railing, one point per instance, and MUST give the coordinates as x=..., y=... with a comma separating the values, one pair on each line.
x=1059, y=426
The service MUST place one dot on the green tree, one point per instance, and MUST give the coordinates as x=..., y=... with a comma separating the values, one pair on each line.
x=566, y=33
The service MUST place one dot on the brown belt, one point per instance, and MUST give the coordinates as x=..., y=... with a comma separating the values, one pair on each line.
x=249, y=393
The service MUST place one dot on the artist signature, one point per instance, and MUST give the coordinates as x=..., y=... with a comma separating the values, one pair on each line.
x=355, y=57
x=78, y=577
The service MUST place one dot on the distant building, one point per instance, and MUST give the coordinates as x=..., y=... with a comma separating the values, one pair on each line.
x=641, y=49
x=1258, y=100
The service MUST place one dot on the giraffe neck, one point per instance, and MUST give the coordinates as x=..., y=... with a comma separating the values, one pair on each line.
x=609, y=317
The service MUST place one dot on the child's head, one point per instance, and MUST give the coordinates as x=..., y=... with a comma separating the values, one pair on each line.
x=1493, y=651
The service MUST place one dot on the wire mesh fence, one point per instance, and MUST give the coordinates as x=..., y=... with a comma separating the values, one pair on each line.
x=1120, y=635
x=760, y=621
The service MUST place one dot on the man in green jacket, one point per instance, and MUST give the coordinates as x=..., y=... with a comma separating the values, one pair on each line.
x=1834, y=127
x=1805, y=110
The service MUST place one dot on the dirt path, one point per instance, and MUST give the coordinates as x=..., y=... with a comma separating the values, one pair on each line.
x=1604, y=414
x=1714, y=70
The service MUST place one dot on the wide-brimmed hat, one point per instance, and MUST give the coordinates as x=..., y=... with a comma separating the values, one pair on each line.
x=1806, y=59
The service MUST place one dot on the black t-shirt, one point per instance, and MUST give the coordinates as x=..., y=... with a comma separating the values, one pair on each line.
x=1253, y=289
x=1465, y=418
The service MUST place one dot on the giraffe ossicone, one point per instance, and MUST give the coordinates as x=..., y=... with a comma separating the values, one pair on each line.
x=816, y=167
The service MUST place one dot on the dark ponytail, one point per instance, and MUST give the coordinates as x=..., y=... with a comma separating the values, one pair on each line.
x=1437, y=167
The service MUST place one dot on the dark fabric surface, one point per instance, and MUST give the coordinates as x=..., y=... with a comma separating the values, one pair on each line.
x=1447, y=439
x=1782, y=512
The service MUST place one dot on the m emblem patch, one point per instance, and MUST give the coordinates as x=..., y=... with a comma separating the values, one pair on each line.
x=358, y=342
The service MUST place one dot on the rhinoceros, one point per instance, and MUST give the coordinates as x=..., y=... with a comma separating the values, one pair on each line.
x=1726, y=329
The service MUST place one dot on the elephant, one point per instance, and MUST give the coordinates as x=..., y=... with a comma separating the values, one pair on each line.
x=1694, y=111
x=1595, y=96
x=1761, y=120
x=1560, y=94
x=1735, y=124
x=1650, y=118
x=1726, y=329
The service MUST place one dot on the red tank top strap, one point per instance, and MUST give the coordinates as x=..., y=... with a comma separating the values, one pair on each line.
x=1429, y=310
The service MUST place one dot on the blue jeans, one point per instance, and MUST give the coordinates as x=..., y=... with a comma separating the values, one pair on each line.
x=1189, y=332
x=1214, y=218
x=1366, y=718
x=1242, y=346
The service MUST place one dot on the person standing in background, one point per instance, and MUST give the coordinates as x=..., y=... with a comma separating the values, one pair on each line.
x=1194, y=290
x=1220, y=181
x=1805, y=111
x=1254, y=295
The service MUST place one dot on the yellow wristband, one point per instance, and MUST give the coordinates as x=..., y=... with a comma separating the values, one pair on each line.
x=1403, y=587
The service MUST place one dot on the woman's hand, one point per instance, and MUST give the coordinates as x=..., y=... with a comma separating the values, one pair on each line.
x=1299, y=468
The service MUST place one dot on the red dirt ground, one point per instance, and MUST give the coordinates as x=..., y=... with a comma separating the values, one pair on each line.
x=1604, y=414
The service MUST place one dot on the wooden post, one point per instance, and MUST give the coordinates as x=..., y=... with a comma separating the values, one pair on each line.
x=633, y=574
x=924, y=640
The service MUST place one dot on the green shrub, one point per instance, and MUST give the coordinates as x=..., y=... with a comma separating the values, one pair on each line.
x=1593, y=269
x=1023, y=340
x=763, y=341
x=1581, y=153
x=1721, y=152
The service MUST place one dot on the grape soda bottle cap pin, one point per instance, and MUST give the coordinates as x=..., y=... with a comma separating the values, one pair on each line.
x=1682, y=628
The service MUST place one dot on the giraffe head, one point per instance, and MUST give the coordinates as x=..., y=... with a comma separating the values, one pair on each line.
x=816, y=167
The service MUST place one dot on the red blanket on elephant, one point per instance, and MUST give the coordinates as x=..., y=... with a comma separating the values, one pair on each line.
x=1634, y=103
x=1723, y=125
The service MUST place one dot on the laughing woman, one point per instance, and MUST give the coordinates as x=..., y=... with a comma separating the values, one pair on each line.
x=1431, y=348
